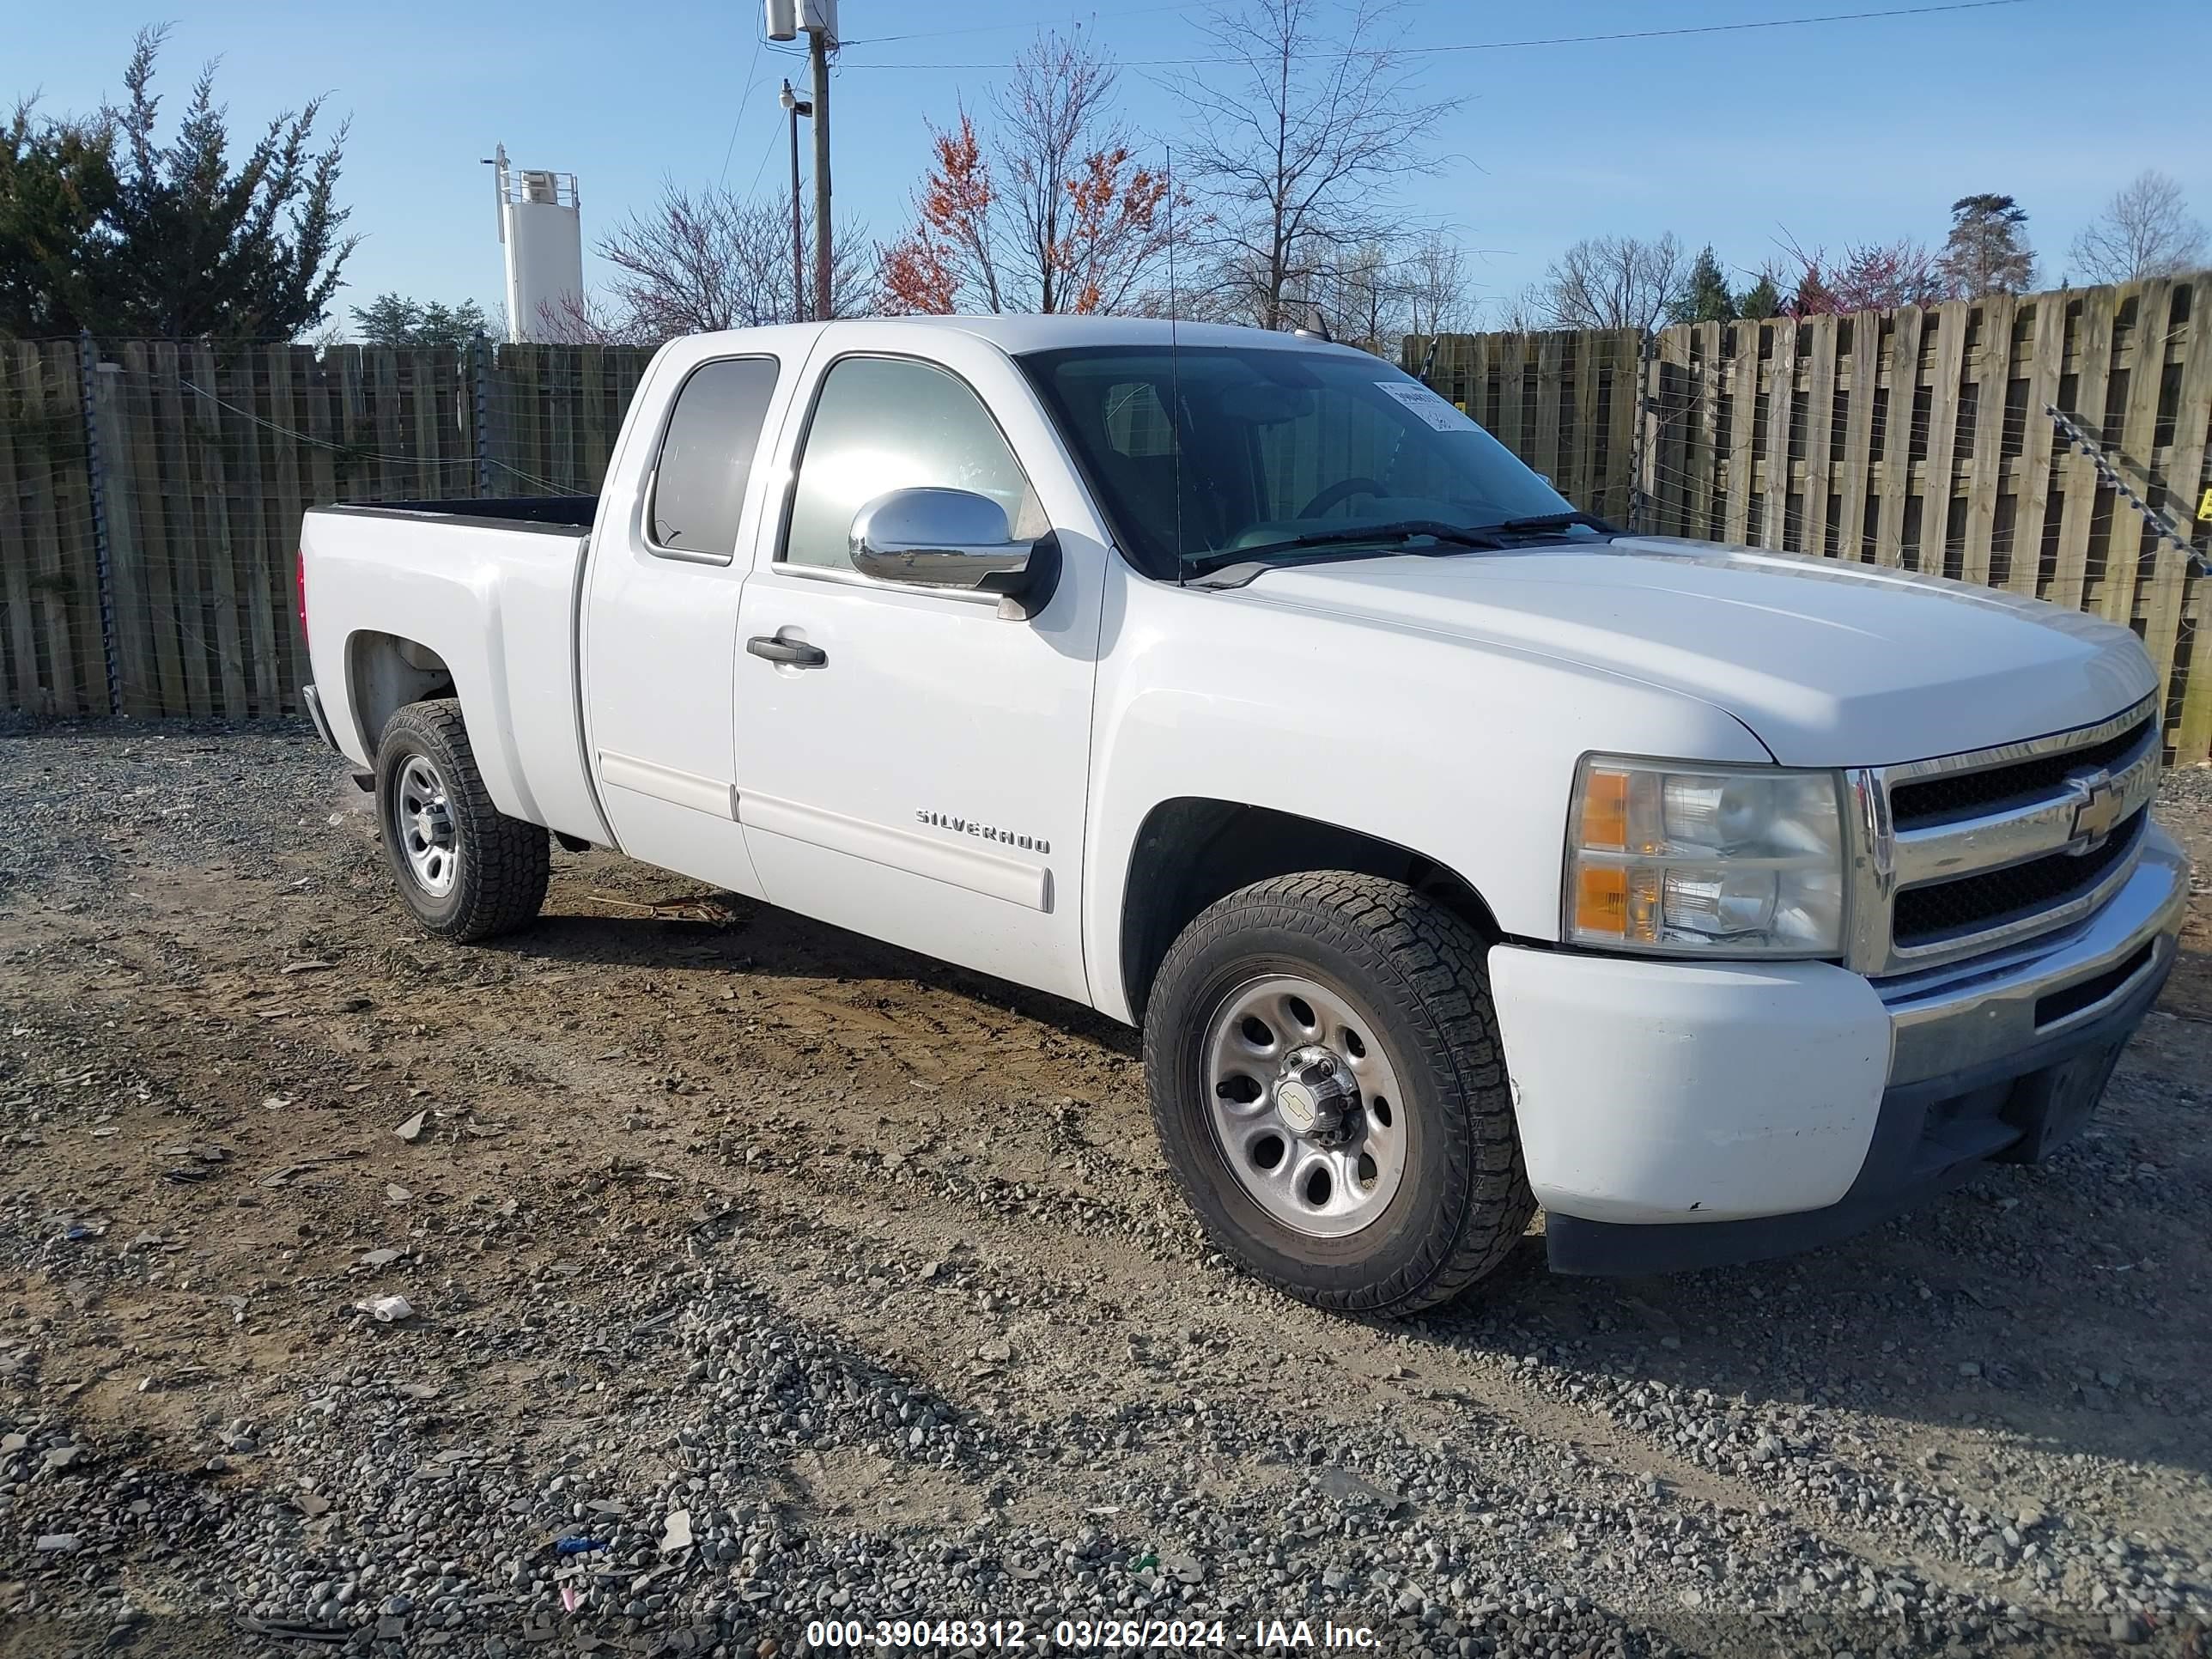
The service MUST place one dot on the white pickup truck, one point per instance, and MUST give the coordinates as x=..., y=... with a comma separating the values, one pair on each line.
x=1457, y=853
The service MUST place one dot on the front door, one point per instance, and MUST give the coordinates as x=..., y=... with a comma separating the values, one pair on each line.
x=660, y=624
x=920, y=777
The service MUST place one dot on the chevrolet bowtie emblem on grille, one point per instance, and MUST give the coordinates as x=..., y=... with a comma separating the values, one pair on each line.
x=2096, y=804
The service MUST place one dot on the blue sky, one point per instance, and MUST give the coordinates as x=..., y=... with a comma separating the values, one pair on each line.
x=1833, y=133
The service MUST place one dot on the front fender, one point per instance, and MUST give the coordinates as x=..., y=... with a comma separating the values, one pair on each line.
x=1461, y=752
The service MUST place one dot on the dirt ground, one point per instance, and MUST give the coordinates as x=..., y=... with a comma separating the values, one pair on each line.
x=214, y=1018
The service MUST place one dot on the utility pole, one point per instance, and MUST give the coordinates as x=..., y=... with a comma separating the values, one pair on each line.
x=817, y=19
x=817, y=40
x=798, y=106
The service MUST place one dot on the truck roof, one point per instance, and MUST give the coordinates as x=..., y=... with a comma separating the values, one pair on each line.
x=1016, y=334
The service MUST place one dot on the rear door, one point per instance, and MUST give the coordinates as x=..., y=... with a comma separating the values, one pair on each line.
x=924, y=781
x=660, y=614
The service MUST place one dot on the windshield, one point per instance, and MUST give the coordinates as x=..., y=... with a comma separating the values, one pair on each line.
x=1270, y=446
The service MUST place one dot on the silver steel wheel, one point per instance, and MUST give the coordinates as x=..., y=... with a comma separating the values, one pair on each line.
x=422, y=826
x=1305, y=1105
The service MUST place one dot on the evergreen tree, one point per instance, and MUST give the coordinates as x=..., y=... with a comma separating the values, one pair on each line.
x=1705, y=298
x=389, y=319
x=1987, y=251
x=183, y=245
x=393, y=319
x=1761, y=300
x=451, y=325
x=57, y=180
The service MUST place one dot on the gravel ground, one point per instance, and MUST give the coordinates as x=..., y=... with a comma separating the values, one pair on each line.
x=759, y=1275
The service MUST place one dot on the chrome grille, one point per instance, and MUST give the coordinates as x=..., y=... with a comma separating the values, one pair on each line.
x=1966, y=853
x=1968, y=905
x=1946, y=795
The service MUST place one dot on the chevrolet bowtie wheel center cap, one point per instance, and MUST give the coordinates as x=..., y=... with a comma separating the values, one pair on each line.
x=1314, y=1094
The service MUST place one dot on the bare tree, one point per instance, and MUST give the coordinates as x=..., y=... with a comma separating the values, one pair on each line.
x=1356, y=294
x=1435, y=281
x=694, y=264
x=2145, y=230
x=1614, y=282
x=585, y=320
x=1373, y=294
x=1297, y=130
x=1055, y=114
x=1528, y=311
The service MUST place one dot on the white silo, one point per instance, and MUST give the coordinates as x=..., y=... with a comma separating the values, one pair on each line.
x=542, y=229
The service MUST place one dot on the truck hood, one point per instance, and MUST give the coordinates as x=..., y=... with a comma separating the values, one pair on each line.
x=1828, y=664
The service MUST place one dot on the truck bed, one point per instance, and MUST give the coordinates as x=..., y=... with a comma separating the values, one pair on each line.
x=512, y=512
x=488, y=588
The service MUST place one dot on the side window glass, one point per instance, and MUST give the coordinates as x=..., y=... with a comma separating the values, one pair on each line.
x=883, y=423
x=707, y=456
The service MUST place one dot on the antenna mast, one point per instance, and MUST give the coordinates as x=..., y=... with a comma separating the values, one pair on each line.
x=1175, y=371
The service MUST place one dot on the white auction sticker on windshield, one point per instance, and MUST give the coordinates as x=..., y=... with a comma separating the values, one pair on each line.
x=1432, y=408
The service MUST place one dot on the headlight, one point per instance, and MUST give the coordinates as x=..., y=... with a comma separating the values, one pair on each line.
x=1732, y=861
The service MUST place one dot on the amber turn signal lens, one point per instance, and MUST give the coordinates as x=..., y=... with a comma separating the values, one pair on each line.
x=1601, y=901
x=1605, y=810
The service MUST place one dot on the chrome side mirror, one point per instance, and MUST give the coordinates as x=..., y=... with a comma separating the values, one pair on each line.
x=938, y=539
x=955, y=539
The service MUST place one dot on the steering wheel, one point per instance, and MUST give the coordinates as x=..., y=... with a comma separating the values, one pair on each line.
x=1338, y=493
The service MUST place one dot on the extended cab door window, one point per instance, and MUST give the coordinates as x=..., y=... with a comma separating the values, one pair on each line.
x=698, y=490
x=885, y=423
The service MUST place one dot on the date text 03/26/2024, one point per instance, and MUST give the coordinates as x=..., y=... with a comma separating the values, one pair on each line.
x=1097, y=1635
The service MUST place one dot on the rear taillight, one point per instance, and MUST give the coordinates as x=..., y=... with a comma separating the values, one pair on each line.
x=303, y=593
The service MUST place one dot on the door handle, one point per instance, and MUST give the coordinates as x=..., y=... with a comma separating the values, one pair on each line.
x=791, y=653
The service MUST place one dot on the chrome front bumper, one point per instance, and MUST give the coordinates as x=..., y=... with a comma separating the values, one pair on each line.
x=2001, y=1057
x=1965, y=1014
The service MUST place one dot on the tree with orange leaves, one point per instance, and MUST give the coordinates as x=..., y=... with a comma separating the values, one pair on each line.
x=1067, y=221
x=1116, y=229
x=948, y=257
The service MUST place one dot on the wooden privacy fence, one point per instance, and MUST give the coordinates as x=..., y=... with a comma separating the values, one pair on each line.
x=1915, y=438
x=1565, y=403
x=150, y=492
x=150, y=495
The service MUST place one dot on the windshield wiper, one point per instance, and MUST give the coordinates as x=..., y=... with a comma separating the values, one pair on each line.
x=1393, y=536
x=1543, y=521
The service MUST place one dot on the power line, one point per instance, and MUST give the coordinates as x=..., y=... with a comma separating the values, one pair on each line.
x=1549, y=41
x=992, y=28
x=744, y=98
x=762, y=167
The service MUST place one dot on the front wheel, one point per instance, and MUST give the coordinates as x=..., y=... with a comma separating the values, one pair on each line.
x=464, y=869
x=1326, y=1081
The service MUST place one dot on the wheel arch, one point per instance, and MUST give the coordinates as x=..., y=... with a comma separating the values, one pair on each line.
x=385, y=672
x=1192, y=850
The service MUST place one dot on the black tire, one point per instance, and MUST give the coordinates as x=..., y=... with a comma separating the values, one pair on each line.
x=498, y=879
x=1463, y=1202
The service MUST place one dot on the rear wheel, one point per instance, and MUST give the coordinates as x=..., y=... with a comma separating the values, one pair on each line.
x=464, y=869
x=1326, y=1082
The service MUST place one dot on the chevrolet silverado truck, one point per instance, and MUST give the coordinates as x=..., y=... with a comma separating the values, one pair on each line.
x=1457, y=852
